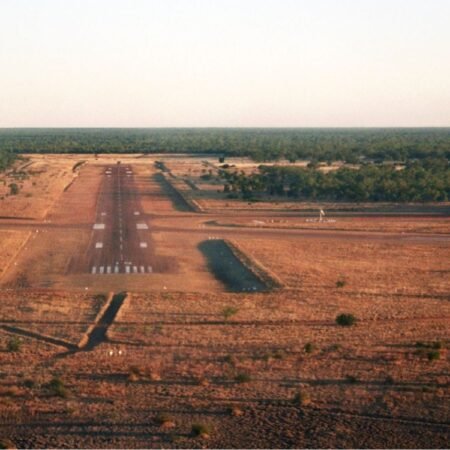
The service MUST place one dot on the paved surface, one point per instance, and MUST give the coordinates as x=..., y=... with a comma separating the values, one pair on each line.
x=121, y=241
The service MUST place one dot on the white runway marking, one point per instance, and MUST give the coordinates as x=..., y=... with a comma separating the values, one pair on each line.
x=99, y=245
x=127, y=269
x=143, y=245
x=108, y=269
x=142, y=269
x=150, y=269
x=99, y=226
x=136, y=213
x=102, y=269
x=116, y=269
x=142, y=226
x=103, y=214
x=94, y=270
x=135, y=269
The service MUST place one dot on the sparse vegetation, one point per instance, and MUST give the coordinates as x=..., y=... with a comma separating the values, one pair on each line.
x=7, y=444
x=340, y=283
x=14, y=189
x=57, y=387
x=14, y=344
x=301, y=398
x=346, y=320
x=243, y=377
x=165, y=420
x=433, y=355
x=309, y=347
x=229, y=312
x=201, y=430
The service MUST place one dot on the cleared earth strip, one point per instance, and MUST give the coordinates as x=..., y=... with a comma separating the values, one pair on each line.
x=97, y=332
x=39, y=336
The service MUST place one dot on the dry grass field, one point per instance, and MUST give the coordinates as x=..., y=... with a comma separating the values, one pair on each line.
x=189, y=357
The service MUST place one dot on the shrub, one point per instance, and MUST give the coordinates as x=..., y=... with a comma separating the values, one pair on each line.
x=345, y=320
x=201, y=430
x=340, y=283
x=7, y=444
x=433, y=355
x=57, y=387
x=230, y=359
x=13, y=189
x=28, y=383
x=351, y=379
x=309, y=347
x=229, y=311
x=165, y=420
x=301, y=398
x=14, y=344
x=243, y=378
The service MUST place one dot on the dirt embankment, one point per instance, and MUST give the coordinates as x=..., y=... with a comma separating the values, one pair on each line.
x=179, y=199
x=237, y=271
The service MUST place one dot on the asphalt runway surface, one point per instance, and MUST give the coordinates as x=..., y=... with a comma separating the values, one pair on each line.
x=120, y=241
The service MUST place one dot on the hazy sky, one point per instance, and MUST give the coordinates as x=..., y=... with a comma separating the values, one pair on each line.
x=224, y=63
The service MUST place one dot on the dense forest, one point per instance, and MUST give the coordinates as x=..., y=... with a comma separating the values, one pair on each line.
x=418, y=181
x=264, y=144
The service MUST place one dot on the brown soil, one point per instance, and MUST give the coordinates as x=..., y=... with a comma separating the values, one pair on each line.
x=140, y=358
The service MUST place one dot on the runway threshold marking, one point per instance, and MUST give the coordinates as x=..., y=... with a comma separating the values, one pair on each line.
x=99, y=226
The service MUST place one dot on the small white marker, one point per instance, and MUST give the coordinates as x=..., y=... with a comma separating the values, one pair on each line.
x=135, y=269
x=99, y=245
x=102, y=269
x=149, y=268
x=127, y=269
x=108, y=269
x=142, y=269
x=94, y=270
x=142, y=226
x=116, y=269
x=137, y=213
x=99, y=226
x=143, y=245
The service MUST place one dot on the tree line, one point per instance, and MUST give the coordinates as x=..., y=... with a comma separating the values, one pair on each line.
x=418, y=181
x=264, y=144
x=7, y=157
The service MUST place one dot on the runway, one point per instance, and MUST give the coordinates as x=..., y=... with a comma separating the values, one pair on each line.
x=120, y=241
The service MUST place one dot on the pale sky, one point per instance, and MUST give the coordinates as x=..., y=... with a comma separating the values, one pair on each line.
x=245, y=63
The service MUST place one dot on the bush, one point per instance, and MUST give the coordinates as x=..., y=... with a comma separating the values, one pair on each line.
x=7, y=444
x=309, y=347
x=14, y=344
x=301, y=398
x=340, y=283
x=57, y=388
x=164, y=419
x=201, y=430
x=351, y=379
x=229, y=311
x=243, y=378
x=345, y=320
x=13, y=189
x=433, y=355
